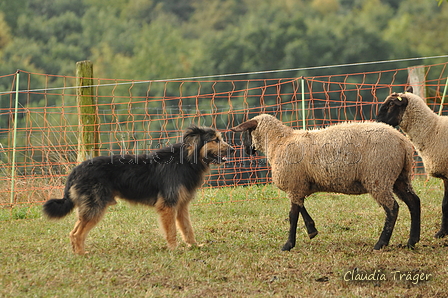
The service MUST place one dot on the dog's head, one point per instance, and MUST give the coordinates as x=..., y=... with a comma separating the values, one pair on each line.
x=206, y=144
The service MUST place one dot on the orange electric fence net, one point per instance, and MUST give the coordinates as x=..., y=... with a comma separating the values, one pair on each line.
x=135, y=117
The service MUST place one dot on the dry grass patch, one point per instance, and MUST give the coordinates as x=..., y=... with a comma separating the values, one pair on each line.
x=241, y=255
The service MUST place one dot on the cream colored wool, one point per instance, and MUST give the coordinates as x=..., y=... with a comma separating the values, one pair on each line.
x=350, y=158
x=428, y=132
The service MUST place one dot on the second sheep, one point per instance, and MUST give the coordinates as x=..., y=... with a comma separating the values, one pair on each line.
x=429, y=134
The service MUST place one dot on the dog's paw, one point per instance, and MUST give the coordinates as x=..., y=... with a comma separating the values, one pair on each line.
x=195, y=245
x=81, y=253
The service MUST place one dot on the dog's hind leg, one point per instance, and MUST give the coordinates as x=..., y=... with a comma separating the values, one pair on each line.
x=73, y=233
x=184, y=224
x=168, y=222
x=86, y=221
x=79, y=233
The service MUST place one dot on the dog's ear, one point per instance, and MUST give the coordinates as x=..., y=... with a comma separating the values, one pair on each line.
x=192, y=136
x=410, y=89
x=251, y=124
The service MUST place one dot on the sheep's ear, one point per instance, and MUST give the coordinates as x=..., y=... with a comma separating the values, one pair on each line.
x=410, y=89
x=400, y=100
x=251, y=124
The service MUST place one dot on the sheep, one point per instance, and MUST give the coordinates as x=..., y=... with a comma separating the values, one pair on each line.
x=349, y=158
x=429, y=134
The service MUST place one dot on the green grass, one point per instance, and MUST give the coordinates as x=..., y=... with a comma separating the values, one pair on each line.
x=242, y=230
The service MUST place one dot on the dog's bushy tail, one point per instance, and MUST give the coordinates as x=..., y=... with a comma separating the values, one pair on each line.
x=58, y=208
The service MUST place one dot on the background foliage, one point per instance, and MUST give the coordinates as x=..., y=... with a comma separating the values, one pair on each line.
x=155, y=39
x=162, y=39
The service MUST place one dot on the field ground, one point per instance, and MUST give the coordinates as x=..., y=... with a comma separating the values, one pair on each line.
x=241, y=254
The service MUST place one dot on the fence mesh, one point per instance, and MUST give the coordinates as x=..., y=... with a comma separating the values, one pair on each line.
x=136, y=117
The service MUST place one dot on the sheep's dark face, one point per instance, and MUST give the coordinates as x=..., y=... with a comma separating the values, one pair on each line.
x=392, y=110
x=249, y=148
x=247, y=128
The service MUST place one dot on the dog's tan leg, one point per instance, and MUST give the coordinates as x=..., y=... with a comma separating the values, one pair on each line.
x=168, y=223
x=184, y=224
x=79, y=233
x=72, y=234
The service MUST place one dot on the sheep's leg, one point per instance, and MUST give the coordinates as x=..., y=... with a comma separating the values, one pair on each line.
x=293, y=218
x=405, y=192
x=389, y=224
x=444, y=227
x=309, y=223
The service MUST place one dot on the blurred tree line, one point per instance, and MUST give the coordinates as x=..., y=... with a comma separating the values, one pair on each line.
x=159, y=39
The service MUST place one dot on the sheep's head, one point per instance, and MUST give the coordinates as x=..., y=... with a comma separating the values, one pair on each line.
x=392, y=110
x=246, y=128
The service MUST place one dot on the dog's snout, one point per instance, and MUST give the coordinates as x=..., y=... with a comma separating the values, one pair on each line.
x=231, y=149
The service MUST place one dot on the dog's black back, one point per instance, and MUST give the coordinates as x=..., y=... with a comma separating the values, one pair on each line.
x=137, y=178
x=162, y=174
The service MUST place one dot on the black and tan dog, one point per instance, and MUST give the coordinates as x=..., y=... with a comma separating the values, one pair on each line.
x=166, y=179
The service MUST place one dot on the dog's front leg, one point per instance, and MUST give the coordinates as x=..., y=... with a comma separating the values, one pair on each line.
x=184, y=224
x=168, y=223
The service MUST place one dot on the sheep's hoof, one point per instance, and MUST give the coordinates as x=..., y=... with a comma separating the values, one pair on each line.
x=440, y=234
x=379, y=245
x=312, y=235
x=411, y=245
x=287, y=247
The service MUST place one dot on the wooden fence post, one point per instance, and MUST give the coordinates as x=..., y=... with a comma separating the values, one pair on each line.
x=417, y=80
x=88, y=123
